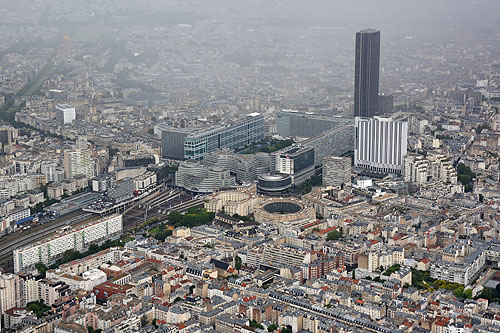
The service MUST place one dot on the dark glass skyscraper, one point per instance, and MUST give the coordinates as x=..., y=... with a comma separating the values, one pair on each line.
x=366, y=73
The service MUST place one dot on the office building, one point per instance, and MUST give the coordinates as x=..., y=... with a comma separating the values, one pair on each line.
x=366, y=73
x=336, y=171
x=195, y=143
x=87, y=281
x=6, y=135
x=66, y=112
x=246, y=167
x=385, y=104
x=78, y=238
x=52, y=172
x=380, y=144
x=195, y=177
x=306, y=124
x=136, y=161
x=274, y=184
x=338, y=141
x=78, y=162
x=296, y=161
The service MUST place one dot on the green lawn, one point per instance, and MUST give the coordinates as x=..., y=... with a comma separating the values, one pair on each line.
x=154, y=231
x=127, y=239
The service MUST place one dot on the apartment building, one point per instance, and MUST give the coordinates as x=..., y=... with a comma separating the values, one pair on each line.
x=77, y=238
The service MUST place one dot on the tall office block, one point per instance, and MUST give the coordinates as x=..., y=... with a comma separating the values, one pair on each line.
x=68, y=113
x=78, y=162
x=296, y=161
x=366, y=75
x=380, y=144
x=336, y=170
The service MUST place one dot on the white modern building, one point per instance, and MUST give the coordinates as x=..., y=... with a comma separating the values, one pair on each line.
x=422, y=169
x=380, y=144
x=68, y=113
x=10, y=292
x=78, y=162
x=87, y=281
x=78, y=238
x=463, y=273
x=53, y=173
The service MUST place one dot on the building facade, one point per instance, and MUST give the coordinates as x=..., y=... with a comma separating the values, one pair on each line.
x=79, y=238
x=10, y=291
x=67, y=112
x=246, y=167
x=366, y=73
x=335, y=142
x=380, y=144
x=78, y=162
x=336, y=170
x=296, y=161
x=194, y=176
x=195, y=143
x=306, y=124
x=421, y=169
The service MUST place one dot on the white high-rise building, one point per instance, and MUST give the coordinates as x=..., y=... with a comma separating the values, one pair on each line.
x=78, y=162
x=10, y=294
x=380, y=144
x=68, y=113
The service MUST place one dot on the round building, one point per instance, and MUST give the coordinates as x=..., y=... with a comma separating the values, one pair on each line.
x=286, y=212
x=274, y=184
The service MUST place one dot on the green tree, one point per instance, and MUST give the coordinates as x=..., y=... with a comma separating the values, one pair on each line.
x=191, y=289
x=160, y=236
x=41, y=268
x=255, y=324
x=464, y=179
x=272, y=328
x=38, y=308
x=392, y=269
x=468, y=293
x=237, y=263
x=154, y=323
x=90, y=329
x=459, y=292
x=112, y=152
x=333, y=235
x=174, y=218
x=71, y=255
